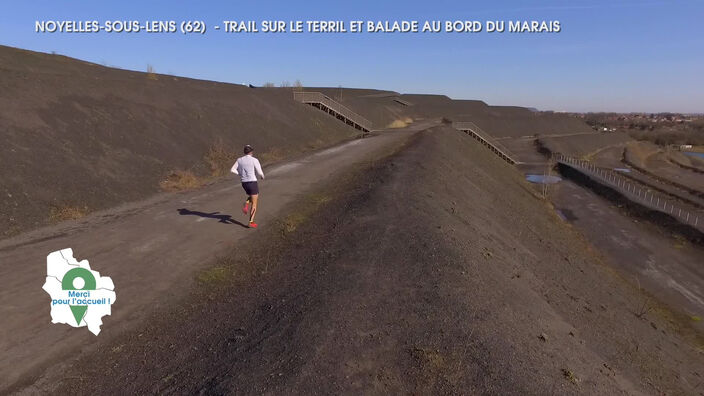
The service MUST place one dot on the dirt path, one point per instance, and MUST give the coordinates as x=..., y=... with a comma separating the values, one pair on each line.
x=408, y=281
x=148, y=249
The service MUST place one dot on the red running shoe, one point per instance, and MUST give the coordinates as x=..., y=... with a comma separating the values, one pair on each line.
x=245, y=208
x=252, y=225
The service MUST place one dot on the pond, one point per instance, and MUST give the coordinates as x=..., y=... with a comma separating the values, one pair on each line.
x=694, y=154
x=543, y=179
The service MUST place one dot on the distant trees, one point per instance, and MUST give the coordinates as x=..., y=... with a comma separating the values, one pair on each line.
x=669, y=137
x=297, y=86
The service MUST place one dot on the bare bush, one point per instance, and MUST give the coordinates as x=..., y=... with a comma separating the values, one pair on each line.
x=219, y=158
x=151, y=73
x=179, y=180
x=67, y=212
x=400, y=123
x=298, y=86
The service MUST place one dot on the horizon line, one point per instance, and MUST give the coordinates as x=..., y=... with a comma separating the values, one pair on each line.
x=245, y=84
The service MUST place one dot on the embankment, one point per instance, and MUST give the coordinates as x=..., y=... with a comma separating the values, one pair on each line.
x=435, y=270
x=384, y=107
x=635, y=209
x=650, y=160
x=583, y=145
x=78, y=137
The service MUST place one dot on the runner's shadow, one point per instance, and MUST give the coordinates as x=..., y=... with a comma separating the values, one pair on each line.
x=222, y=218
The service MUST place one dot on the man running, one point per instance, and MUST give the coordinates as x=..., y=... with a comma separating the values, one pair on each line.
x=246, y=166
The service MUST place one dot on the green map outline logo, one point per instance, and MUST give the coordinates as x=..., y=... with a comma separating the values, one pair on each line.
x=89, y=283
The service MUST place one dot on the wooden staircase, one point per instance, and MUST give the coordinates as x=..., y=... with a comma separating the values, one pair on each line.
x=334, y=108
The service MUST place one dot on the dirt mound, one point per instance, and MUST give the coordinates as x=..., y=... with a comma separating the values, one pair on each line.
x=383, y=107
x=409, y=280
x=80, y=135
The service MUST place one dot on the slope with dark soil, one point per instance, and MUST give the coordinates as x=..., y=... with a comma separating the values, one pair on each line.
x=583, y=145
x=378, y=106
x=151, y=249
x=384, y=107
x=409, y=279
x=80, y=135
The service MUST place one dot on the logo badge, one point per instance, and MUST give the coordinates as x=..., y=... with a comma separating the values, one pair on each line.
x=79, y=296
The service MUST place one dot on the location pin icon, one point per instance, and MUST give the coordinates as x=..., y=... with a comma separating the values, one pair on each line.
x=67, y=283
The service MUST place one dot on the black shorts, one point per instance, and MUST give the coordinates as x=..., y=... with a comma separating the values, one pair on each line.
x=251, y=188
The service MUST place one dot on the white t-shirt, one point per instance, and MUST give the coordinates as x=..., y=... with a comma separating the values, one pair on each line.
x=246, y=166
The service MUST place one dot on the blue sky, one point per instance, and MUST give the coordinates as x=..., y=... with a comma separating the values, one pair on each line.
x=610, y=55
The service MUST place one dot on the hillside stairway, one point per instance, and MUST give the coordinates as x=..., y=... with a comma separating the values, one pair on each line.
x=334, y=108
x=484, y=138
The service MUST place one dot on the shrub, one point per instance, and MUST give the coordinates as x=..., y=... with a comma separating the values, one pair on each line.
x=401, y=123
x=66, y=212
x=219, y=158
x=180, y=180
x=272, y=155
x=151, y=73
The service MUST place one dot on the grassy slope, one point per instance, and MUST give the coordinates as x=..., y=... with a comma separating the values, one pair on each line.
x=77, y=134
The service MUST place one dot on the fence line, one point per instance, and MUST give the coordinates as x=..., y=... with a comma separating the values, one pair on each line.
x=628, y=188
x=333, y=107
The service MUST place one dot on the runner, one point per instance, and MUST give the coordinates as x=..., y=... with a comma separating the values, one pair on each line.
x=246, y=166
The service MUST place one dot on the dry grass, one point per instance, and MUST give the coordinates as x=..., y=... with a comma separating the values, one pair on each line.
x=569, y=375
x=272, y=155
x=432, y=360
x=151, y=73
x=400, y=123
x=65, y=212
x=436, y=367
x=219, y=159
x=296, y=219
x=214, y=275
x=292, y=222
x=319, y=199
x=179, y=180
x=318, y=143
x=637, y=152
